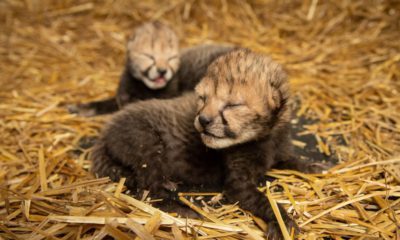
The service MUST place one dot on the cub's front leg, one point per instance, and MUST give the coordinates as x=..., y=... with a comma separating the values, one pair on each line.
x=124, y=95
x=293, y=162
x=241, y=187
x=94, y=108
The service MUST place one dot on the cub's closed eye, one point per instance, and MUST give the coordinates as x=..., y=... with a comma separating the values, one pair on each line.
x=147, y=56
x=233, y=105
x=173, y=57
x=203, y=98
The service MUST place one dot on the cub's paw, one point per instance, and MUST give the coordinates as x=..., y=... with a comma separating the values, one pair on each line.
x=307, y=166
x=83, y=110
x=274, y=231
x=317, y=167
x=170, y=186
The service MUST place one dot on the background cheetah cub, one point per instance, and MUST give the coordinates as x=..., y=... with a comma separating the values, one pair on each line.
x=155, y=69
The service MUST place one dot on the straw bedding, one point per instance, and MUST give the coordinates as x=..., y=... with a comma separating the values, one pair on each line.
x=343, y=59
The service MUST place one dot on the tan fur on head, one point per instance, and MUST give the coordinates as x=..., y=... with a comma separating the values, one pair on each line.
x=153, y=54
x=243, y=97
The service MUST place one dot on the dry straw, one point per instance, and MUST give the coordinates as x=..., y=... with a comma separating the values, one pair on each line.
x=343, y=61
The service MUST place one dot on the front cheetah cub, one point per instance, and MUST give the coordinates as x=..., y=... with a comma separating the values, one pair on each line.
x=240, y=130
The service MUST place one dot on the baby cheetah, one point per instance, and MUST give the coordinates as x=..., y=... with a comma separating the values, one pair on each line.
x=240, y=130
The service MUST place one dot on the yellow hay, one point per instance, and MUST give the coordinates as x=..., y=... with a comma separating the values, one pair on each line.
x=343, y=59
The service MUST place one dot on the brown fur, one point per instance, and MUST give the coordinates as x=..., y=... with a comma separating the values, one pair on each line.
x=155, y=144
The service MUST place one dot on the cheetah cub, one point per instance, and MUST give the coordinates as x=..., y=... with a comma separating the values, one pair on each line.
x=155, y=68
x=227, y=134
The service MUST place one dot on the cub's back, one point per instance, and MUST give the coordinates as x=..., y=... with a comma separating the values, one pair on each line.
x=166, y=118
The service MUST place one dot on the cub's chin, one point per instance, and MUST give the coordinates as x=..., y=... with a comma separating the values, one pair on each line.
x=226, y=142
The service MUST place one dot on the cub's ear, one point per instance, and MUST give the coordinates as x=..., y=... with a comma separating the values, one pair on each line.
x=277, y=100
x=282, y=101
x=273, y=97
x=279, y=110
x=157, y=24
x=277, y=88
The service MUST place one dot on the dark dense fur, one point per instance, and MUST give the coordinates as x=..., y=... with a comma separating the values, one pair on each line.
x=193, y=65
x=155, y=145
x=155, y=135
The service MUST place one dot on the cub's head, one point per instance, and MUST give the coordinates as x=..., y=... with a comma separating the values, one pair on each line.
x=243, y=97
x=153, y=54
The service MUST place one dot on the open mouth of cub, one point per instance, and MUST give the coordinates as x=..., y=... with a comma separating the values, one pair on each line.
x=159, y=80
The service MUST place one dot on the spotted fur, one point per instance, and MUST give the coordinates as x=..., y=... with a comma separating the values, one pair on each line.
x=244, y=97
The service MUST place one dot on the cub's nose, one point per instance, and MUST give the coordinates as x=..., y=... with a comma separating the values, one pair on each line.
x=162, y=71
x=204, y=121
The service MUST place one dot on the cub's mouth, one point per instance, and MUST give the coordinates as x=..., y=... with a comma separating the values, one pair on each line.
x=215, y=141
x=155, y=83
x=205, y=133
x=156, y=78
x=208, y=131
x=216, y=137
x=159, y=80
